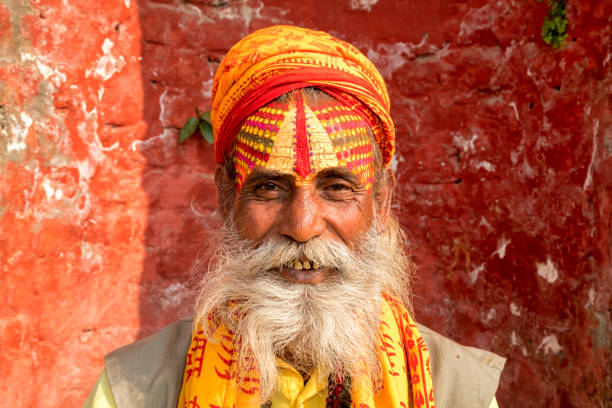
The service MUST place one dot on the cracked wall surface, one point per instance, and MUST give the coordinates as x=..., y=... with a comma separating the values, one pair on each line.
x=504, y=178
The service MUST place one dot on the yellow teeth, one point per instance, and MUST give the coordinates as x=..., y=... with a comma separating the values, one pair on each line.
x=299, y=265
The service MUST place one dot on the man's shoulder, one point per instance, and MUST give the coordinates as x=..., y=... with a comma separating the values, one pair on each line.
x=462, y=375
x=150, y=369
x=164, y=339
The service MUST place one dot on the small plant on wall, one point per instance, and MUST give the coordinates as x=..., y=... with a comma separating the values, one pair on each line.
x=554, y=28
x=200, y=122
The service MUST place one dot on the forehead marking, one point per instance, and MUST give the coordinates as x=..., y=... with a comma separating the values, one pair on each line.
x=302, y=141
x=302, y=156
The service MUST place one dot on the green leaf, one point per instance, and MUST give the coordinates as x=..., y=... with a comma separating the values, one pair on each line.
x=188, y=128
x=206, y=131
x=205, y=116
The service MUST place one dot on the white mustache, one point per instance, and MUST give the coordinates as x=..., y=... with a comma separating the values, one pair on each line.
x=284, y=252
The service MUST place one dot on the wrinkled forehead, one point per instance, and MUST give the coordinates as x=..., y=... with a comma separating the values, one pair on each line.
x=302, y=135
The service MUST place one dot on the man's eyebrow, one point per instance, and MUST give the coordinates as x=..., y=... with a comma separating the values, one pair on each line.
x=258, y=175
x=341, y=172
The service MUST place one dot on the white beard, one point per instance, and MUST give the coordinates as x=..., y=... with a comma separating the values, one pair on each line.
x=332, y=325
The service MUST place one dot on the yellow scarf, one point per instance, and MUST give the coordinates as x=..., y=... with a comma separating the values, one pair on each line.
x=209, y=380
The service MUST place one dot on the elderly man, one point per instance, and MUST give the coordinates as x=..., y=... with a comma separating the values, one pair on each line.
x=307, y=300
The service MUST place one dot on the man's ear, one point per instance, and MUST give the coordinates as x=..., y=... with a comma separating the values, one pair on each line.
x=225, y=190
x=384, y=196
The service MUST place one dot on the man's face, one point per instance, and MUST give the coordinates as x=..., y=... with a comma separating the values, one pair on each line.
x=304, y=170
x=335, y=205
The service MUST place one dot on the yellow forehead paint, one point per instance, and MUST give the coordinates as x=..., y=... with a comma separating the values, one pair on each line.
x=303, y=140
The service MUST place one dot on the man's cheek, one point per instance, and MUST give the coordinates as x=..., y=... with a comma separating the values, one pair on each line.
x=255, y=220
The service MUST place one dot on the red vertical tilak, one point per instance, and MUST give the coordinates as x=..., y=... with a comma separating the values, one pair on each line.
x=302, y=152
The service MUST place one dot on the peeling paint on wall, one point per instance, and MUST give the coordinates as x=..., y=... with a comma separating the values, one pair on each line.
x=549, y=344
x=547, y=271
x=363, y=4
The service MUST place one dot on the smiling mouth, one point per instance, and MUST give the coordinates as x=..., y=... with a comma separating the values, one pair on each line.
x=304, y=271
x=305, y=264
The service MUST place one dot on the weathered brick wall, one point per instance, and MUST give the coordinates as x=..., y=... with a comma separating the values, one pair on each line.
x=504, y=169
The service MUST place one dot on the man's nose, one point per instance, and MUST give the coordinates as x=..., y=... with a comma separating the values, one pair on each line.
x=303, y=219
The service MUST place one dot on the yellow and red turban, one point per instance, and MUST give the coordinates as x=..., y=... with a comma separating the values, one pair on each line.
x=276, y=60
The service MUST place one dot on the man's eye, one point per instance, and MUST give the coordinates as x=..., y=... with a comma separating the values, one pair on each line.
x=268, y=186
x=338, y=187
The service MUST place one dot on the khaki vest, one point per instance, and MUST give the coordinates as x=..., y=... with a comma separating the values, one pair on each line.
x=148, y=373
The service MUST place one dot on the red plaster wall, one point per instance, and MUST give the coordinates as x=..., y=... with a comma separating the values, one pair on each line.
x=504, y=167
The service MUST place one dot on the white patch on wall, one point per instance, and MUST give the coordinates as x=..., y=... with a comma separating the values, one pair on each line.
x=139, y=145
x=589, y=177
x=550, y=344
x=26, y=119
x=87, y=252
x=477, y=19
x=395, y=161
x=362, y=4
x=108, y=64
x=206, y=88
x=513, y=106
x=162, y=107
x=47, y=71
x=502, y=243
x=486, y=165
x=547, y=271
x=86, y=171
x=607, y=59
x=475, y=272
x=528, y=171
x=514, y=309
x=514, y=338
x=490, y=315
x=514, y=154
x=126, y=3
x=91, y=255
x=591, y=299
x=483, y=222
x=17, y=132
x=391, y=56
x=107, y=45
x=13, y=258
x=166, y=140
x=173, y=295
x=464, y=143
x=49, y=191
x=249, y=10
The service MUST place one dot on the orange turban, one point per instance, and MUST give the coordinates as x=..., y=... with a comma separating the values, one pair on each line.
x=275, y=60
